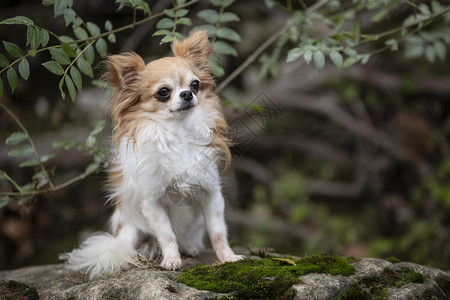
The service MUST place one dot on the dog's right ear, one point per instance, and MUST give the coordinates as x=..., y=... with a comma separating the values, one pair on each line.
x=123, y=69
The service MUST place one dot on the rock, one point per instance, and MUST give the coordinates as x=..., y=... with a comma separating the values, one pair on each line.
x=56, y=282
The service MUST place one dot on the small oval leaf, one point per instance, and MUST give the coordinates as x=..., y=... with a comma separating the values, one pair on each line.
x=24, y=150
x=85, y=67
x=13, y=49
x=12, y=79
x=54, y=67
x=24, y=68
x=16, y=138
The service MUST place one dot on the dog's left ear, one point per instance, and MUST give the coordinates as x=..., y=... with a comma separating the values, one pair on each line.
x=195, y=47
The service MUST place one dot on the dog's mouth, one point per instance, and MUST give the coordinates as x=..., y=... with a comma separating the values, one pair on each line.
x=185, y=107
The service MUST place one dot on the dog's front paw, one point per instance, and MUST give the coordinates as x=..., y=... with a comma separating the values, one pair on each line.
x=171, y=264
x=233, y=257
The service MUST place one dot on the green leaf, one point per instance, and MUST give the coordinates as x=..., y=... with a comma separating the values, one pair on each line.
x=108, y=25
x=216, y=69
x=24, y=68
x=167, y=39
x=67, y=39
x=222, y=47
x=295, y=54
x=308, y=56
x=68, y=50
x=182, y=12
x=3, y=61
x=165, y=23
x=21, y=151
x=101, y=47
x=1, y=87
x=16, y=138
x=29, y=163
x=69, y=16
x=229, y=17
x=92, y=167
x=12, y=79
x=70, y=87
x=319, y=60
x=98, y=127
x=162, y=32
x=336, y=58
x=93, y=28
x=34, y=37
x=440, y=49
x=19, y=20
x=430, y=54
x=85, y=67
x=184, y=21
x=46, y=157
x=13, y=49
x=365, y=58
x=80, y=33
x=89, y=54
x=30, y=31
x=228, y=34
x=351, y=52
x=393, y=43
x=170, y=13
x=90, y=142
x=112, y=38
x=209, y=15
x=54, y=67
x=67, y=144
x=59, y=7
x=349, y=61
x=60, y=56
x=61, y=89
x=227, y=3
x=76, y=77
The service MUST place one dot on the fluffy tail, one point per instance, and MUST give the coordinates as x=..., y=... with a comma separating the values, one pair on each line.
x=101, y=253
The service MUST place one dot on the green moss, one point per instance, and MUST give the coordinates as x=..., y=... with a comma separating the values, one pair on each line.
x=267, y=277
x=374, y=287
x=393, y=260
x=17, y=290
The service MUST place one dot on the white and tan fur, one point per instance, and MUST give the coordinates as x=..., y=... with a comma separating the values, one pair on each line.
x=164, y=180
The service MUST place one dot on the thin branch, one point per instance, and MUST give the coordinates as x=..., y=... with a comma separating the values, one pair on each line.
x=53, y=189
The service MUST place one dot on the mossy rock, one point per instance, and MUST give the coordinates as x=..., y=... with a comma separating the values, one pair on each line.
x=262, y=278
x=374, y=287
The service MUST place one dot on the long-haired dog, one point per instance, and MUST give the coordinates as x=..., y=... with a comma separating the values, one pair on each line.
x=164, y=179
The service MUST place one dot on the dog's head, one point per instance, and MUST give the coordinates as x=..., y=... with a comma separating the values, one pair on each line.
x=163, y=89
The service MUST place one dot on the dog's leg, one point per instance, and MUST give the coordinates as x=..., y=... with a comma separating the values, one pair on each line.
x=161, y=228
x=213, y=212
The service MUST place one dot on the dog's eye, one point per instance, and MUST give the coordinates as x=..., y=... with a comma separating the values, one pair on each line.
x=195, y=85
x=163, y=94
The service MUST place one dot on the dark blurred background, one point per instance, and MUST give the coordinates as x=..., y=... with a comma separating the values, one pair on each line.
x=354, y=162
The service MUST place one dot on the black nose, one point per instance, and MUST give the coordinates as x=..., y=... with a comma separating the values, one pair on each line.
x=186, y=95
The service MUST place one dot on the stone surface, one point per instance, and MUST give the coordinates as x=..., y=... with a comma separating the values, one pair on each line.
x=56, y=282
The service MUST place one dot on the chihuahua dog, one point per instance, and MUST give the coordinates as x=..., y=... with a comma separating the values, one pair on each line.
x=169, y=136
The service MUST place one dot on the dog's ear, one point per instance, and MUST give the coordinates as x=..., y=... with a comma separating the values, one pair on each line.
x=123, y=69
x=196, y=48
